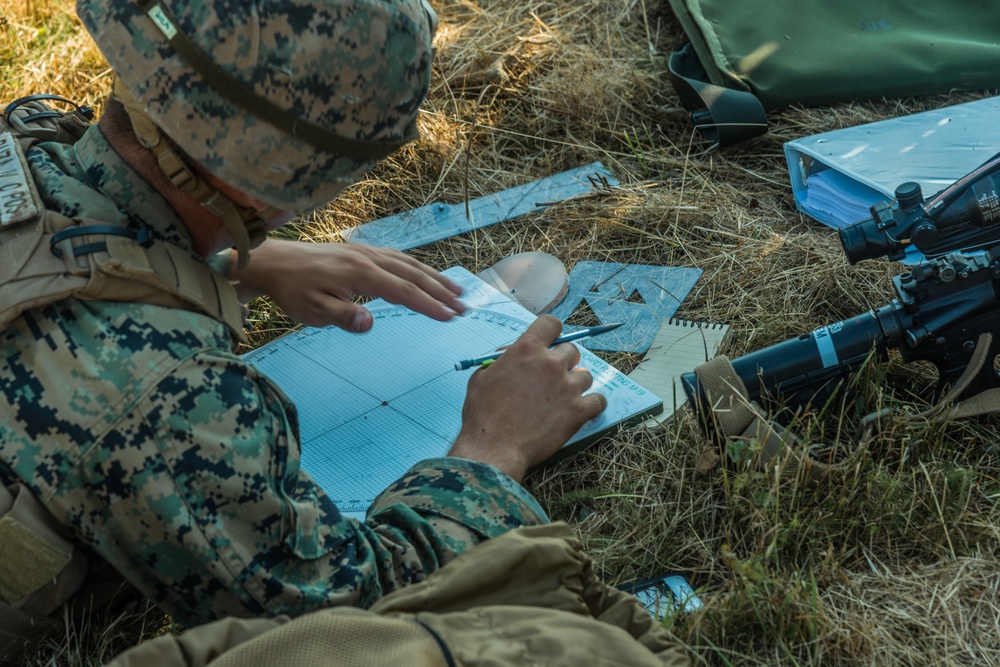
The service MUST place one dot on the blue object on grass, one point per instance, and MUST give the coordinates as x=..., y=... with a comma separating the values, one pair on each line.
x=638, y=295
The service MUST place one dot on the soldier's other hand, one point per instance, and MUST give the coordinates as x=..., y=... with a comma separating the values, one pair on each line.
x=316, y=283
x=522, y=408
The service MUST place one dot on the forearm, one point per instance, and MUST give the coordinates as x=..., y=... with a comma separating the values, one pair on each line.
x=207, y=511
x=274, y=544
x=250, y=536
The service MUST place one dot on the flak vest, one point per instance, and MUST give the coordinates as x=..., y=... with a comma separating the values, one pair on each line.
x=46, y=257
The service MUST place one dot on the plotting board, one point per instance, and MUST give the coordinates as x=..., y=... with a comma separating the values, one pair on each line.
x=373, y=404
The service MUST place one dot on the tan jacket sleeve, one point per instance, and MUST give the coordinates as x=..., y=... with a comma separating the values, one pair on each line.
x=529, y=596
x=198, y=646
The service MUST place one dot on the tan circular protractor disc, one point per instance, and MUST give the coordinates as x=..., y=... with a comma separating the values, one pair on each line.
x=536, y=280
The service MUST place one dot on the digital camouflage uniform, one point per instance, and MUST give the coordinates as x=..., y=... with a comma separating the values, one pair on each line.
x=143, y=433
x=177, y=462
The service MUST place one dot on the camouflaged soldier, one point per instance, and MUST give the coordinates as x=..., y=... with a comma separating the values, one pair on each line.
x=124, y=409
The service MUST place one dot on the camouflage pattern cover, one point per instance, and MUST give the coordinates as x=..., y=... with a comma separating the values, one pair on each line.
x=359, y=68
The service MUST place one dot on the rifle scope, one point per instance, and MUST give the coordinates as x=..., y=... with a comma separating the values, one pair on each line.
x=962, y=216
x=800, y=370
x=941, y=310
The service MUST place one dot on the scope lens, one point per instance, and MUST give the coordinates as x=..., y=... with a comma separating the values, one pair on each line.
x=864, y=240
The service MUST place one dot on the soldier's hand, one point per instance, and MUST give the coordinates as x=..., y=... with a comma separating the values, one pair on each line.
x=522, y=408
x=315, y=283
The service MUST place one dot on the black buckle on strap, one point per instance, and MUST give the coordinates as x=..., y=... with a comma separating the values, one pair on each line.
x=143, y=237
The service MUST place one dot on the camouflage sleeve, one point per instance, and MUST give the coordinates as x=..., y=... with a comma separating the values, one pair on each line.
x=466, y=502
x=196, y=496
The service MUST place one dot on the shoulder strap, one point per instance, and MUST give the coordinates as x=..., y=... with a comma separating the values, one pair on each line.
x=729, y=414
x=985, y=402
x=723, y=116
x=46, y=257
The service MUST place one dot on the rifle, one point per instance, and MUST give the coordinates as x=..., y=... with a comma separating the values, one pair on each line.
x=941, y=307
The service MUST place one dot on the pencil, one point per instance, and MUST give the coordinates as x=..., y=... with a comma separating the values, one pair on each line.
x=487, y=359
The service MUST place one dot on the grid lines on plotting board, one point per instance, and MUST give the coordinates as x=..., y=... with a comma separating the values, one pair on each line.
x=343, y=400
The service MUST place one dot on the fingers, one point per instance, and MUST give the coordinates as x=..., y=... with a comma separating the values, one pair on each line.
x=361, y=320
x=594, y=404
x=580, y=379
x=569, y=354
x=326, y=309
x=533, y=400
x=402, y=280
x=305, y=279
x=542, y=331
x=541, y=334
x=423, y=275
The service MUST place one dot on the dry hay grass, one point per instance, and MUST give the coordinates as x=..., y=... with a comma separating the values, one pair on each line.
x=892, y=563
x=42, y=49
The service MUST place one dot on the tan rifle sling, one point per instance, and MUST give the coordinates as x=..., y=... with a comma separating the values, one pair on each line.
x=735, y=418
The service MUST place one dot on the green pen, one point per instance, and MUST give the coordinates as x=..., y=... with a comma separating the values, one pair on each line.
x=488, y=359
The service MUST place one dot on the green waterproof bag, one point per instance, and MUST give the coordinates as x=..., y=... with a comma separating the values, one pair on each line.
x=746, y=58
